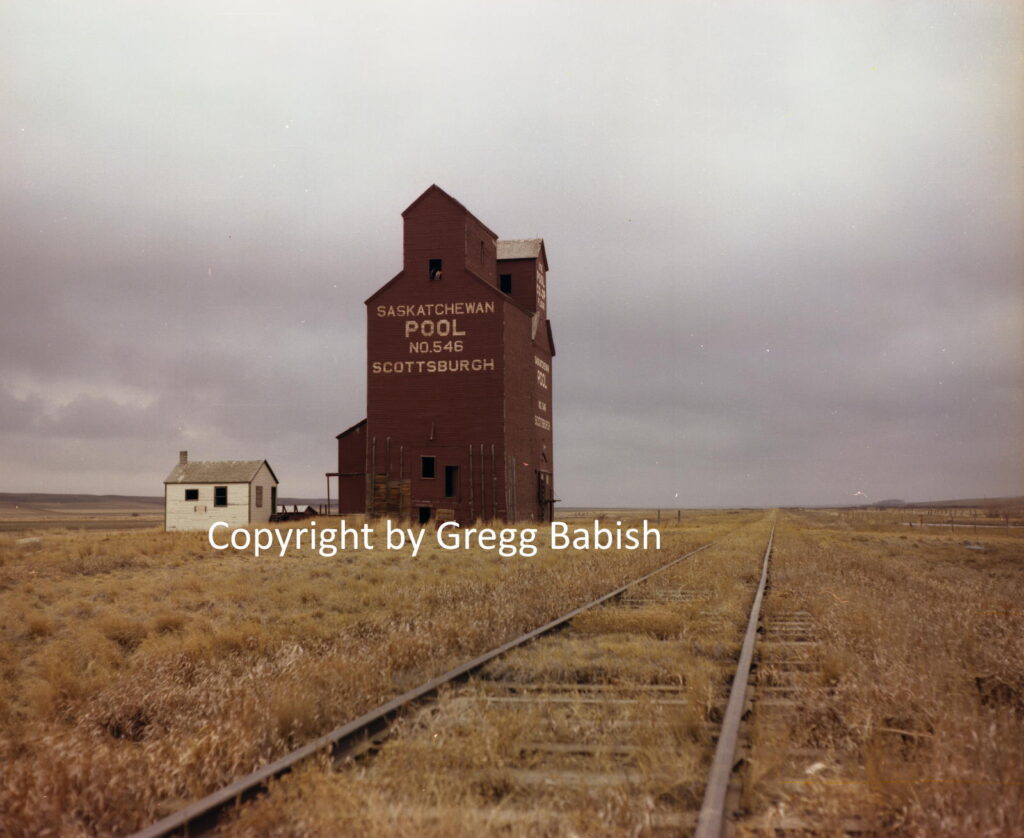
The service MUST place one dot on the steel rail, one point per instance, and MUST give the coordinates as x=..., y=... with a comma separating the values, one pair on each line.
x=201, y=815
x=711, y=820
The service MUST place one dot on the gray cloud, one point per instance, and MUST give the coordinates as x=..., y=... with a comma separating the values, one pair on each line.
x=786, y=258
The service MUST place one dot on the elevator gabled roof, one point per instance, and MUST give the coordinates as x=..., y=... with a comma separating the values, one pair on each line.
x=434, y=188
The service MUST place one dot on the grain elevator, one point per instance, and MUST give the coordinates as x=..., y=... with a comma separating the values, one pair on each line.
x=459, y=379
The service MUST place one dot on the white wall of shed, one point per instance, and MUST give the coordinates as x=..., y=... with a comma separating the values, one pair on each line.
x=260, y=515
x=200, y=514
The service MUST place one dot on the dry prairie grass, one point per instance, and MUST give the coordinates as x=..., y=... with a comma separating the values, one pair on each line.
x=596, y=730
x=917, y=700
x=140, y=670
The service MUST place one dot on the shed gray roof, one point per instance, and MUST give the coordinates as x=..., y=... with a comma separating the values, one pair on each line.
x=519, y=248
x=217, y=471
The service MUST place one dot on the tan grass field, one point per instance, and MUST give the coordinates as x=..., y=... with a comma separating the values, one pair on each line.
x=916, y=702
x=140, y=670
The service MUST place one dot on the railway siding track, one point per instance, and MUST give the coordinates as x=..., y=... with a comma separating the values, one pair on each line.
x=605, y=716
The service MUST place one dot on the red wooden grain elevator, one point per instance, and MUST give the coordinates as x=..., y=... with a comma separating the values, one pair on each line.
x=458, y=399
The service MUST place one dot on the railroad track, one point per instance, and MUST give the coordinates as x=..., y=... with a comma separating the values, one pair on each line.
x=777, y=747
x=617, y=704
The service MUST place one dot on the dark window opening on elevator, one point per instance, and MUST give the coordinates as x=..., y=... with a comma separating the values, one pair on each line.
x=191, y=494
x=506, y=283
x=451, y=481
x=427, y=467
x=220, y=495
x=424, y=514
x=434, y=269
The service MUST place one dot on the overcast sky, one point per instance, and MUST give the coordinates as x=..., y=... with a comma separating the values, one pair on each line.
x=785, y=238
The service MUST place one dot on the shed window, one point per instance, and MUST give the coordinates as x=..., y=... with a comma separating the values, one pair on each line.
x=191, y=494
x=434, y=269
x=506, y=283
x=427, y=468
x=220, y=495
x=259, y=496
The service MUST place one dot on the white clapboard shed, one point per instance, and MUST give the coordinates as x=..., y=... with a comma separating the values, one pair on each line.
x=198, y=494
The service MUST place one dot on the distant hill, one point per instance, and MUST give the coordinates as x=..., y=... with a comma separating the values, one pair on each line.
x=959, y=503
x=980, y=503
x=43, y=505
x=29, y=498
